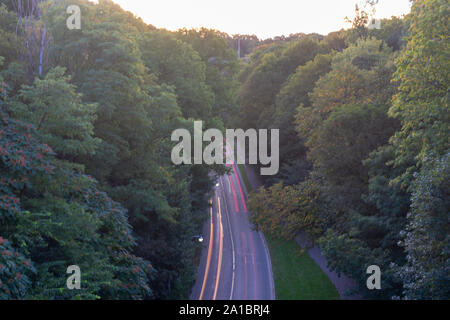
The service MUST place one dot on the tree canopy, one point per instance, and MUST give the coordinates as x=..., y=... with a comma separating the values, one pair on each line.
x=367, y=171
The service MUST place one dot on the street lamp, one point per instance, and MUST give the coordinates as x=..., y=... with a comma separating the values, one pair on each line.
x=199, y=238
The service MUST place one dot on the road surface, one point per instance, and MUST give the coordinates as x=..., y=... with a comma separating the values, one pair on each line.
x=235, y=262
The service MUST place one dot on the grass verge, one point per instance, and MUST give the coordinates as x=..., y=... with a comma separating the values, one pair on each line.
x=296, y=274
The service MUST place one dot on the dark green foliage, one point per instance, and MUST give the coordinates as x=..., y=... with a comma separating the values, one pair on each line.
x=107, y=102
x=85, y=171
x=392, y=32
x=15, y=271
x=221, y=72
x=175, y=63
x=259, y=92
x=54, y=107
x=426, y=274
x=378, y=185
x=57, y=218
x=9, y=45
x=294, y=94
x=347, y=138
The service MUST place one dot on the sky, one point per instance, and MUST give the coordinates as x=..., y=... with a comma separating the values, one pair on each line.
x=264, y=18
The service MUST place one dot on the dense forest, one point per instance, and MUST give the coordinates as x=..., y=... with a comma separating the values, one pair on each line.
x=364, y=147
x=86, y=176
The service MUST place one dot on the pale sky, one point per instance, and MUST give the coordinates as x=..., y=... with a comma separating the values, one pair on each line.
x=265, y=18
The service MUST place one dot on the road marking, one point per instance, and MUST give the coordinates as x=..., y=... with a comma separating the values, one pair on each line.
x=232, y=244
x=255, y=271
x=208, y=262
x=244, y=248
x=219, y=265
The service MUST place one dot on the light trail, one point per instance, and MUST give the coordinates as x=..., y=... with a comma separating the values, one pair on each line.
x=219, y=265
x=236, y=206
x=237, y=179
x=240, y=189
x=208, y=262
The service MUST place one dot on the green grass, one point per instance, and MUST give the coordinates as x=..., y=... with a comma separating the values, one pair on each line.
x=296, y=275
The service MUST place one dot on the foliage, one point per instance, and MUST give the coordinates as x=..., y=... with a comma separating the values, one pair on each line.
x=258, y=93
x=294, y=94
x=177, y=64
x=58, y=218
x=15, y=271
x=426, y=274
x=286, y=211
x=221, y=72
x=63, y=120
x=86, y=175
x=107, y=101
x=378, y=151
x=422, y=101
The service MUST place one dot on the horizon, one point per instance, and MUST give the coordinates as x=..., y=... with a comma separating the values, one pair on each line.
x=297, y=17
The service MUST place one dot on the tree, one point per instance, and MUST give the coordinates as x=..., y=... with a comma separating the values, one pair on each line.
x=360, y=74
x=63, y=121
x=174, y=62
x=422, y=101
x=222, y=67
x=134, y=115
x=359, y=24
x=392, y=32
x=426, y=273
x=294, y=166
x=286, y=211
x=355, y=94
x=9, y=46
x=137, y=111
x=419, y=157
x=35, y=32
x=52, y=217
x=259, y=92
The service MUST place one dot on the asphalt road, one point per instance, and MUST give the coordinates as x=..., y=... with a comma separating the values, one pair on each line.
x=235, y=262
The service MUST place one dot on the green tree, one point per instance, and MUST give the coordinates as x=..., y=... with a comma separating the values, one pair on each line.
x=222, y=68
x=422, y=101
x=286, y=211
x=115, y=55
x=419, y=157
x=360, y=74
x=63, y=121
x=426, y=273
x=174, y=62
x=53, y=218
x=294, y=166
x=259, y=92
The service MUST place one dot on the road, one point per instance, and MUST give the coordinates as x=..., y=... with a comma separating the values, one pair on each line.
x=235, y=262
